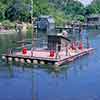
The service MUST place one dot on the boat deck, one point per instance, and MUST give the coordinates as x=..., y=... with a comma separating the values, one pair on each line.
x=43, y=56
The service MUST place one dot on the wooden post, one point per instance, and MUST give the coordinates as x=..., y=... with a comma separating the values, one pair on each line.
x=32, y=49
x=66, y=50
x=57, y=52
x=32, y=22
x=80, y=34
x=88, y=45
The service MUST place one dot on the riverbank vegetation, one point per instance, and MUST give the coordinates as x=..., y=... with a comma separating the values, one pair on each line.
x=6, y=24
x=62, y=10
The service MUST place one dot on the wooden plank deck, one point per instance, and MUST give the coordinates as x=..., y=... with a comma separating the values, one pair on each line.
x=44, y=56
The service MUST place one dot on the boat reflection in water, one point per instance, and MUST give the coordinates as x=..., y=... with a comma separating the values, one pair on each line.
x=78, y=80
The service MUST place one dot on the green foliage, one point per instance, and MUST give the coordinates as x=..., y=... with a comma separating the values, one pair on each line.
x=40, y=7
x=18, y=10
x=74, y=7
x=94, y=7
x=2, y=11
x=8, y=25
x=59, y=17
x=57, y=8
x=79, y=18
x=62, y=10
x=29, y=31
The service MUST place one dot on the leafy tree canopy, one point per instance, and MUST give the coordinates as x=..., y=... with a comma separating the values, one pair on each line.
x=61, y=9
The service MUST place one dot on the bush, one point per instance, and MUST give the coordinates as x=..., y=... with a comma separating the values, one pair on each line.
x=79, y=18
x=58, y=15
x=8, y=25
x=29, y=31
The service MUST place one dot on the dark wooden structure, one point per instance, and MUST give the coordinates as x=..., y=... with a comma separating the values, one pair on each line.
x=93, y=21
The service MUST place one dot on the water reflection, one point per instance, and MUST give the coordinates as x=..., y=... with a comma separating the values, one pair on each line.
x=55, y=83
x=77, y=67
x=78, y=80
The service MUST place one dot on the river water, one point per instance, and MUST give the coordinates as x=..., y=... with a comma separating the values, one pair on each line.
x=79, y=80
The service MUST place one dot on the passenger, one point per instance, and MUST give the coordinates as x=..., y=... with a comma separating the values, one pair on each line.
x=80, y=45
x=69, y=50
x=76, y=46
x=32, y=49
x=73, y=46
x=65, y=34
x=66, y=50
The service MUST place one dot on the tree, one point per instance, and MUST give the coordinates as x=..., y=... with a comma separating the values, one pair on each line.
x=40, y=7
x=74, y=7
x=18, y=10
x=60, y=9
x=2, y=11
x=94, y=7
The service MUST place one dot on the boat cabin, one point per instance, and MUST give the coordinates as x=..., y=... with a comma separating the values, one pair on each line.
x=93, y=19
x=46, y=31
x=46, y=23
x=57, y=42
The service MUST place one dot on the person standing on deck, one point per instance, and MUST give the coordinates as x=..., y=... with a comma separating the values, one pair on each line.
x=85, y=38
x=80, y=32
x=57, y=51
x=88, y=44
x=66, y=49
x=32, y=49
x=64, y=33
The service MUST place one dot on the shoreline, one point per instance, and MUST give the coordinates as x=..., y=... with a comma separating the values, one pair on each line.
x=3, y=31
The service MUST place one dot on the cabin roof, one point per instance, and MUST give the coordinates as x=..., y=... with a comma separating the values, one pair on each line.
x=50, y=19
x=94, y=16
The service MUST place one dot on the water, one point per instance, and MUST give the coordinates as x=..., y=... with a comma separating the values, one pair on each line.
x=79, y=80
